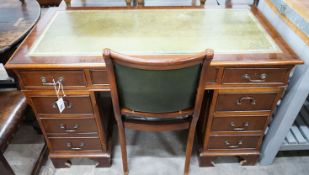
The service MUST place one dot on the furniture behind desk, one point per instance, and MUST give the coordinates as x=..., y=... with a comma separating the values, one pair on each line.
x=16, y=20
x=246, y=78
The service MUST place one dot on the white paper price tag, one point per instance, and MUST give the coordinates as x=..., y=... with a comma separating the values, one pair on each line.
x=60, y=104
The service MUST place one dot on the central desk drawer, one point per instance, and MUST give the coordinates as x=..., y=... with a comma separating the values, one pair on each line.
x=255, y=75
x=233, y=142
x=75, y=144
x=70, y=126
x=245, y=102
x=74, y=105
x=98, y=77
x=40, y=79
x=243, y=123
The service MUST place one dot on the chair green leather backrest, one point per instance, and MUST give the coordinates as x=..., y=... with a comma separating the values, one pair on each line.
x=157, y=91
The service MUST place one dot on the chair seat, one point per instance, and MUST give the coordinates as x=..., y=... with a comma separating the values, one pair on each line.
x=156, y=124
x=13, y=104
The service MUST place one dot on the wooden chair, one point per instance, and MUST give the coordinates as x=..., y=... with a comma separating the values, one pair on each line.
x=13, y=105
x=157, y=94
x=12, y=110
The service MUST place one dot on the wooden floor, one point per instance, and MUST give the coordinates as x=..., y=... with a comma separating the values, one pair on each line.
x=16, y=19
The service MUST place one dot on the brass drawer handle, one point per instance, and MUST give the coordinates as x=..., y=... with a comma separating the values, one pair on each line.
x=251, y=99
x=46, y=83
x=235, y=128
x=63, y=126
x=233, y=146
x=261, y=78
x=70, y=145
x=67, y=104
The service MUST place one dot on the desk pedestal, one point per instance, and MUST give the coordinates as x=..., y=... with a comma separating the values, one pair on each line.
x=82, y=130
x=237, y=110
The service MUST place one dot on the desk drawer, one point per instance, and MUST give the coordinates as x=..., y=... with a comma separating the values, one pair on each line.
x=233, y=142
x=99, y=77
x=245, y=102
x=255, y=75
x=243, y=123
x=74, y=105
x=70, y=126
x=75, y=144
x=35, y=79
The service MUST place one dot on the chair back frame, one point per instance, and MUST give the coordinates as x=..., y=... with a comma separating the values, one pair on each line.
x=203, y=58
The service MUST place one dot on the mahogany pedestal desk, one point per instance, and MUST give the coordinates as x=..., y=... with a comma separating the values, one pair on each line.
x=247, y=76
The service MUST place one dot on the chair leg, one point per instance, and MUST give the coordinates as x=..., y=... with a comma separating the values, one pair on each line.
x=122, y=140
x=190, y=142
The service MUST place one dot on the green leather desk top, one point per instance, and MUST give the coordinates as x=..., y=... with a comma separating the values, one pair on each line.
x=151, y=32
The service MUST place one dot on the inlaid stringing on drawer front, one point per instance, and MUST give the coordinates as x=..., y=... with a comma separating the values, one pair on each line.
x=69, y=126
x=245, y=102
x=242, y=123
x=44, y=79
x=74, y=105
x=233, y=142
x=255, y=75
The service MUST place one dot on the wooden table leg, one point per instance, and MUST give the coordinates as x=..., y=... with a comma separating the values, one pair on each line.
x=4, y=166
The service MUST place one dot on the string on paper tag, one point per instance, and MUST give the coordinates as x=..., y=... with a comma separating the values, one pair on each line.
x=60, y=102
